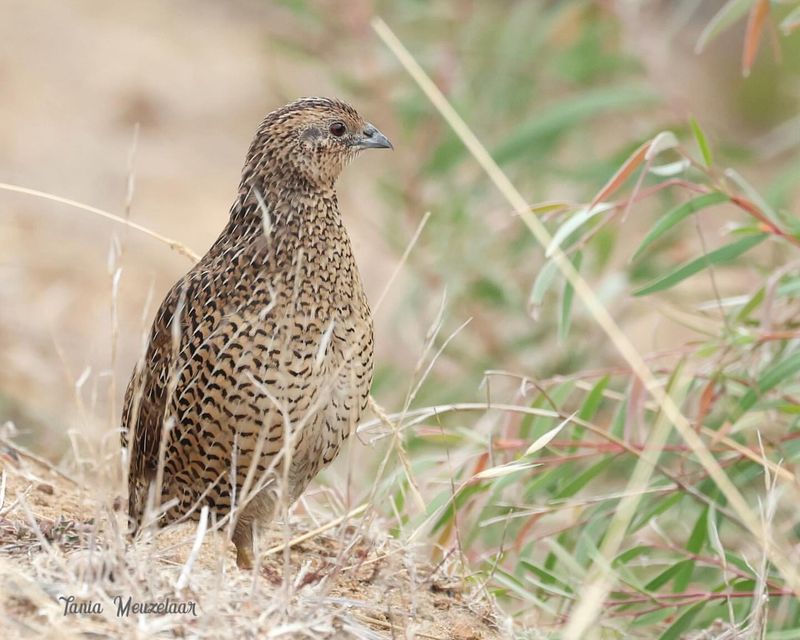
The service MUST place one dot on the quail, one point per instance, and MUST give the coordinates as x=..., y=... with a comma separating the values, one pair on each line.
x=259, y=361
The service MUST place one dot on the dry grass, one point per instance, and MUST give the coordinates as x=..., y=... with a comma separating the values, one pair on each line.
x=352, y=581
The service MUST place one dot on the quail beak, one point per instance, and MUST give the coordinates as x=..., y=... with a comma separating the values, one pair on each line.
x=371, y=138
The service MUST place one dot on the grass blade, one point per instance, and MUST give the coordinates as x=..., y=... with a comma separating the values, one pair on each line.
x=566, y=301
x=573, y=223
x=676, y=215
x=768, y=379
x=702, y=142
x=725, y=254
x=677, y=628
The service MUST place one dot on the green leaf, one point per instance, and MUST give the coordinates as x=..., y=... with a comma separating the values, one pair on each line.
x=752, y=305
x=700, y=137
x=699, y=534
x=545, y=576
x=677, y=628
x=694, y=545
x=663, y=578
x=657, y=508
x=566, y=300
x=584, y=478
x=573, y=223
x=769, y=378
x=541, y=285
x=630, y=554
x=455, y=503
x=654, y=617
x=593, y=399
x=674, y=216
x=620, y=416
x=728, y=253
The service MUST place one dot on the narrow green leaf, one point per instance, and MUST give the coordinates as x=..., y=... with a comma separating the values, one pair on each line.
x=652, y=618
x=752, y=305
x=593, y=399
x=454, y=505
x=657, y=508
x=566, y=301
x=584, y=478
x=699, y=534
x=769, y=378
x=663, y=578
x=683, y=575
x=541, y=285
x=674, y=216
x=547, y=577
x=620, y=417
x=702, y=142
x=728, y=253
x=587, y=548
x=523, y=591
x=573, y=223
x=739, y=562
x=677, y=628
x=695, y=543
x=630, y=554
x=588, y=409
x=549, y=207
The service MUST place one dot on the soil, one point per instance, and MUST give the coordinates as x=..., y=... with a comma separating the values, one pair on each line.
x=349, y=581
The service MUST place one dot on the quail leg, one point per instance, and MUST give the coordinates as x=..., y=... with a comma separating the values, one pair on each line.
x=243, y=539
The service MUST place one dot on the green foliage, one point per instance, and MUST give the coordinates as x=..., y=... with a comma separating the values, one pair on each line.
x=565, y=110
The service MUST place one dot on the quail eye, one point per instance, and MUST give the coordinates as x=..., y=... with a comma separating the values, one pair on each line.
x=338, y=129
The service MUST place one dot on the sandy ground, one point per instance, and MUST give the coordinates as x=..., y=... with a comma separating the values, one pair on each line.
x=349, y=581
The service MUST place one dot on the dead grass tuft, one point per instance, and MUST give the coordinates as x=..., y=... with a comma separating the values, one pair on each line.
x=351, y=581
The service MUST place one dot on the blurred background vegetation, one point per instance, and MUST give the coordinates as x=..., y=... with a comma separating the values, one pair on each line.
x=146, y=109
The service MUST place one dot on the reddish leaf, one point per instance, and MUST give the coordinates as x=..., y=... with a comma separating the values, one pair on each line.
x=755, y=27
x=622, y=174
x=481, y=464
x=706, y=402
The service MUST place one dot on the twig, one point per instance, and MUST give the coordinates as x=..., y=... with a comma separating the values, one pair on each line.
x=402, y=262
x=313, y=534
x=202, y=526
x=25, y=453
x=393, y=627
x=173, y=244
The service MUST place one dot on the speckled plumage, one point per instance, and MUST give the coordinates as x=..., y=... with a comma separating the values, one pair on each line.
x=260, y=358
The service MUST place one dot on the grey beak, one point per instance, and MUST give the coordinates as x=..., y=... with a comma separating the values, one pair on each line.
x=371, y=138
